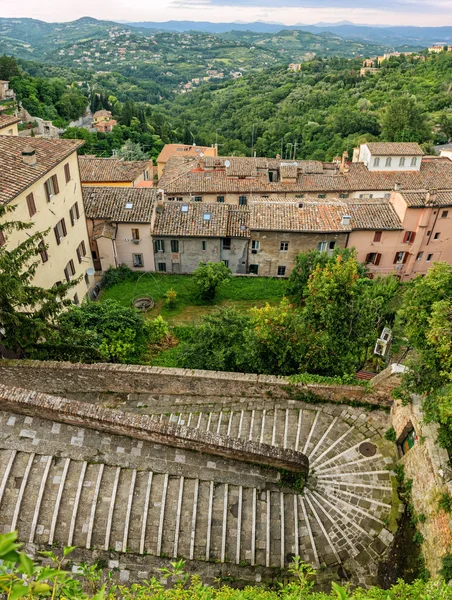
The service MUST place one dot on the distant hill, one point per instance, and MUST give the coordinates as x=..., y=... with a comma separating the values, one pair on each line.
x=397, y=35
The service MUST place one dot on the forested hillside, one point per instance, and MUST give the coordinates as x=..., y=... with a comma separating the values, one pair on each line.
x=324, y=109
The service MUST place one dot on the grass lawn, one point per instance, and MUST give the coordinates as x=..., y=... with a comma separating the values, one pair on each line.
x=242, y=292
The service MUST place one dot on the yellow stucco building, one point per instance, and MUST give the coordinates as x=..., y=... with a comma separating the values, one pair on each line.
x=40, y=178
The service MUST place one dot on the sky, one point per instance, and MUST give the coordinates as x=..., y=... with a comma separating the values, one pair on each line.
x=289, y=12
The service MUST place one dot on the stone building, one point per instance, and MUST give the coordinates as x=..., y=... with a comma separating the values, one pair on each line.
x=182, y=150
x=120, y=222
x=279, y=231
x=41, y=179
x=186, y=234
x=115, y=172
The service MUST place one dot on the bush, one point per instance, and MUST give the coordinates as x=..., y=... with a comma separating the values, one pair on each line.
x=170, y=298
x=390, y=435
x=114, y=276
x=208, y=277
x=445, y=502
x=446, y=569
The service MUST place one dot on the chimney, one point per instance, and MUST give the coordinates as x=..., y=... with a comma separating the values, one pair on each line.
x=344, y=159
x=29, y=156
x=430, y=197
x=397, y=186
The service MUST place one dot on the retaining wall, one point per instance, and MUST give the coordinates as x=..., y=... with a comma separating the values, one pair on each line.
x=427, y=465
x=60, y=378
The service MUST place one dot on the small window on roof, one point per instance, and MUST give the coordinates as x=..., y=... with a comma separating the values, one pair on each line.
x=129, y=205
x=206, y=216
x=184, y=208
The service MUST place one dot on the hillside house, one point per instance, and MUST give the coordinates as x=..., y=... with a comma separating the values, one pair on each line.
x=185, y=150
x=6, y=93
x=9, y=124
x=41, y=179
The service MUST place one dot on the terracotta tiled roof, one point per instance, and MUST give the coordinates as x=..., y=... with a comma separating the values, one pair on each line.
x=294, y=216
x=110, y=203
x=110, y=169
x=104, y=229
x=15, y=175
x=432, y=174
x=195, y=219
x=183, y=150
x=6, y=120
x=238, y=221
x=374, y=215
x=425, y=198
x=394, y=149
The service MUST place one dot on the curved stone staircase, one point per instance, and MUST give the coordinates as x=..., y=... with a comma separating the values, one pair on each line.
x=67, y=485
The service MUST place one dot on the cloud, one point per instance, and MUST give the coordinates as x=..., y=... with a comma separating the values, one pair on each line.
x=391, y=6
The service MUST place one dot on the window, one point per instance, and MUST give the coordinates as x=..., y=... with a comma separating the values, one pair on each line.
x=365, y=196
x=331, y=245
x=81, y=251
x=284, y=246
x=376, y=162
x=2, y=239
x=74, y=213
x=135, y=234
x=321, y=196
x=69, y=270
x=51, y=187
x=400, y=258
x=60, y=231
x=388, y=161
x=206, y=217
x=300, y=196
x=137, y=260
x=253, y=269
x=436, y=236
x=226, y=243
x=419, y=255
x=197, y=198
x=203, y=243
x=87, y=279
x=373, y=258
x=146, y=175
x=161, y=267
x=322, y=246
x=255, y=246
x=377, y=236
x=43, y=251
x=67, y=172
x=414, y=161
x=281, y=271
x=343, y=195
x=174, y=245
x=76, y=300
x=159, y=246
x=402, y=161
x=226, y=262
x=220, y=198
x=429, y=257
x=31, y=204
x=242, y=200
x=428, y=233
x=409, y=237
x=444, y=214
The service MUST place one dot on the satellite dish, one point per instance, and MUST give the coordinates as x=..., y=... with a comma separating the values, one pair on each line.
x=227, y=163
x=202, y=154
x=90, y=271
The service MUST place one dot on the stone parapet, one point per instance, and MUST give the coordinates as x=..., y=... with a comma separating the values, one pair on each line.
x=36, y=404
x=61, y=378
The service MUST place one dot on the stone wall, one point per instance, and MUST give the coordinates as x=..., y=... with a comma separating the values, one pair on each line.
x=63, y=378
x=142, y=427
x=428, y=466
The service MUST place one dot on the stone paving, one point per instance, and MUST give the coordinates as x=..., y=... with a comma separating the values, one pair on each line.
x=67, y=485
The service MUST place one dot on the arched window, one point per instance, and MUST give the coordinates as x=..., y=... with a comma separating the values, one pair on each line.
x=402, y=162
x=376, y=162
x=388, y=161
x=413, y=161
